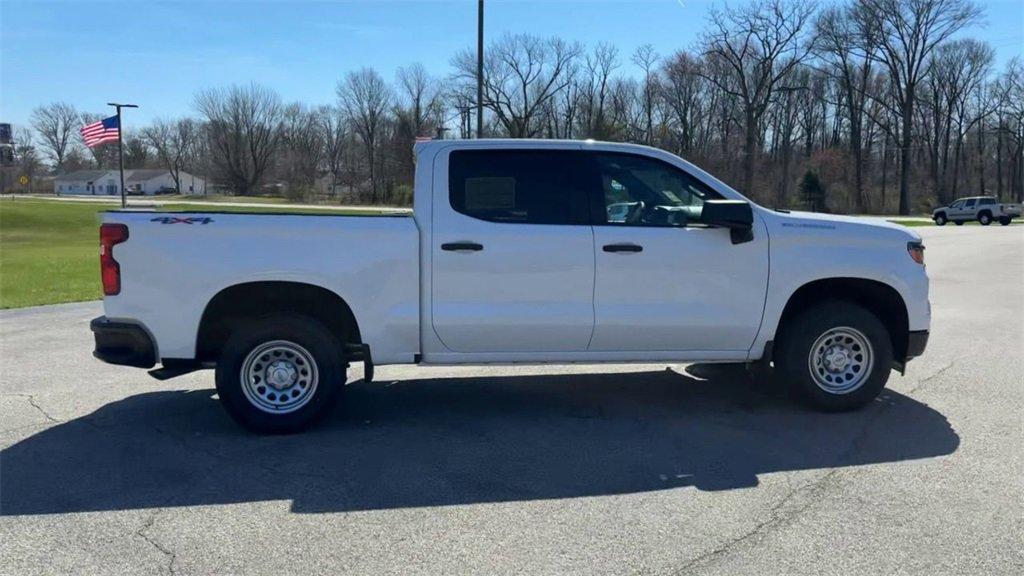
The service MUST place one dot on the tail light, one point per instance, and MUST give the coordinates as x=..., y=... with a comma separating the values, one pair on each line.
x=110, y=270
x=916, y=251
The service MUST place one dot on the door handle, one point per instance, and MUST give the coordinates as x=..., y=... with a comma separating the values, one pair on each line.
x=462, y=246
x=623, y=248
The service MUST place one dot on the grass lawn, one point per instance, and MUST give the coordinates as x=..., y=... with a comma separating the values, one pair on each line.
x=49, y=250
x=217, y=198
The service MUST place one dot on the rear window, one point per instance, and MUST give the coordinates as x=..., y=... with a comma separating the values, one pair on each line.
x=517, y=186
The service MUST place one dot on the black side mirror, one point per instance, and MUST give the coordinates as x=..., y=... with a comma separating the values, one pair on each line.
x=736, y=215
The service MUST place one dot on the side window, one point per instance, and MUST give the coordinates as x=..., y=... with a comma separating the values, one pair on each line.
x=517, y=186
x=986, y=201
x=970, y=203
x=957, y=205
x=640, y=191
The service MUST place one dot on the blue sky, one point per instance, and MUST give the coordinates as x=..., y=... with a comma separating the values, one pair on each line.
x=158, y=54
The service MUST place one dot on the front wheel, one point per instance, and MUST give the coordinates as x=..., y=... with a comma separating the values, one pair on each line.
x=940, y=219
x=280, y=373
x=835, y=355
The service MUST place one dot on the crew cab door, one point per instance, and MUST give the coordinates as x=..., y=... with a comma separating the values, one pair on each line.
x=969, y=208
x=666, y=282
x=512, y=252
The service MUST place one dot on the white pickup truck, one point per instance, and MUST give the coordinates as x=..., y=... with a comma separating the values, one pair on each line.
x=984, y=209
x=517, y=251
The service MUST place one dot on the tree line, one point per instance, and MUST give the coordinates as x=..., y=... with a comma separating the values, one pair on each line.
x=878, y=100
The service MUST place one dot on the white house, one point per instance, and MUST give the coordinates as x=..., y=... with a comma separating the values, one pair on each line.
x=108, y=183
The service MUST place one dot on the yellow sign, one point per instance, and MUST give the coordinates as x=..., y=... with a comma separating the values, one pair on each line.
x=23, y=180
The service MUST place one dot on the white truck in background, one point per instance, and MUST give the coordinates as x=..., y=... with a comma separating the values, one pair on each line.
x=984, y=209
x=516, y=251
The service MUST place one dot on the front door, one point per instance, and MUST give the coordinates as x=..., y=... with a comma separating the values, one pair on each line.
x=512, y=252
x=665, y=281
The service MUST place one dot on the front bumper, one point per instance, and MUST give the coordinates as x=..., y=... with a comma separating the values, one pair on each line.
x=122, y=343
x=916, y=343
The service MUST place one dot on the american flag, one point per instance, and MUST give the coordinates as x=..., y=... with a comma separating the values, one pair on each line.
x=106, y=130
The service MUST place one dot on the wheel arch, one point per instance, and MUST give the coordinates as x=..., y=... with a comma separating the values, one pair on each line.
x=240, y=302
x=878, y=297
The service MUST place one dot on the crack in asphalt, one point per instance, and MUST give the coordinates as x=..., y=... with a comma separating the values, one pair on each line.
x=32, y=400
x=141, y=533
x=777, y=517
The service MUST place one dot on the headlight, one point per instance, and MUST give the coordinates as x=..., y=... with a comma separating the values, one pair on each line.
x=916, y=251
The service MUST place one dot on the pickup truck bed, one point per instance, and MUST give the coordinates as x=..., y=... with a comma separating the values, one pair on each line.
x=190, y=257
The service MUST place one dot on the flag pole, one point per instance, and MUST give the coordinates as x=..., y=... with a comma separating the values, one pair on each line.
x=120, y=147
x=480, y=69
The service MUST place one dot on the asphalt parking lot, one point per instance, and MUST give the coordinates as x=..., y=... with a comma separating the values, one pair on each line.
x=648, y=469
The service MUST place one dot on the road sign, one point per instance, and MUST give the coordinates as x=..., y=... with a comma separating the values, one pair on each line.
x=23, y=180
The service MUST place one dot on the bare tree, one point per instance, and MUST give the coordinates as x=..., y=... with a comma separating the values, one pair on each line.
x=243, y=131
x=907, y=32
x=334, y=131
x=646, y=59
x=56, y=124
x=173, y=141
x=844, y=48
x=594, y=90
x=521, y=73
x=302, y=149
x=750, y=50
x=365, y=98
x=420, y=99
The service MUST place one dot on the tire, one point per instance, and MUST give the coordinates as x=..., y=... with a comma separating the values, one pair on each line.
x=308, y=371
x=985, y=218
x=1005, y=221
x=819, y=350
x=940, y=219
x=958, y=222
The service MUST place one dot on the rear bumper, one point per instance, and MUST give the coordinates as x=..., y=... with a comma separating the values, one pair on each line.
x=916, y=343
x=122, y=343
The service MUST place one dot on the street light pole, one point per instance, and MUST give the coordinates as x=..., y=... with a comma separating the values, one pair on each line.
x=480, y=69
x=120, y=146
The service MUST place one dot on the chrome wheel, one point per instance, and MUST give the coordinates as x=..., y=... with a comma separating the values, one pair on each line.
x=841, y=360
x=279, y=377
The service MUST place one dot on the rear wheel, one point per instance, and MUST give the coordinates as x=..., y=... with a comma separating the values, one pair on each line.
x=985, y=218
x=280, y=373
x=835, y=356
x=1005, y=220
x=940, y=219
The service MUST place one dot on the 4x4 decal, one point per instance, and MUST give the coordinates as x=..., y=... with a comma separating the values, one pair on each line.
x=176, y=220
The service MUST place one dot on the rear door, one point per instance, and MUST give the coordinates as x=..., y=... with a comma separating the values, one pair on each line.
x=512, y=252
x=666, y=282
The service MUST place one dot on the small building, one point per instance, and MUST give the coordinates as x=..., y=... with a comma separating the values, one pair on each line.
x=87, y=182
x=108, y=183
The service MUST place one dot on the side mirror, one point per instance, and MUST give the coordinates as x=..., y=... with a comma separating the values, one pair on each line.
x=736, y=215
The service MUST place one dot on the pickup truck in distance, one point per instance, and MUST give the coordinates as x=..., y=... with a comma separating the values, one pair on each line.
x=517, y=251
x=984, y=209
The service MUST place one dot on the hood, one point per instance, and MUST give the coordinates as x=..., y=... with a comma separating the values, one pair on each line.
x=843, y=224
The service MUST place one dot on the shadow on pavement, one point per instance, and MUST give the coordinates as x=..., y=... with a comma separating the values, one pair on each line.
x=459, y=441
